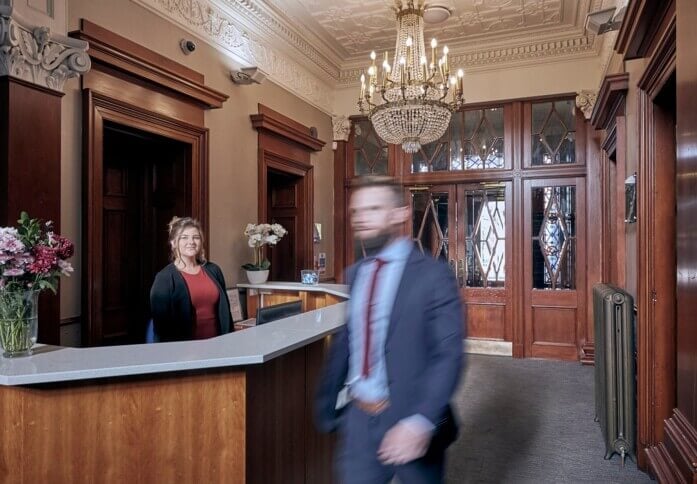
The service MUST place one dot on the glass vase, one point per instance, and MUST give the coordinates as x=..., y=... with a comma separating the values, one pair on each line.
x=18, y=322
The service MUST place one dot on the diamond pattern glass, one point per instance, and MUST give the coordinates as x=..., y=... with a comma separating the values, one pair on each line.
x=553, y=133
x=430, y=223
x=369, y=151
x=554, y=237
x=474, y=141
x=486, y=237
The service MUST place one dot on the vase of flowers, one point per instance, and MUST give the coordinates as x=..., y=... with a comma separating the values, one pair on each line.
x=259, y=235
x=32, y=258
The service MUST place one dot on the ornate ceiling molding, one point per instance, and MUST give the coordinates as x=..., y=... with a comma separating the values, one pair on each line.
x=35, y=55
x=558, y=50
x=295, y=44
x=215, y=24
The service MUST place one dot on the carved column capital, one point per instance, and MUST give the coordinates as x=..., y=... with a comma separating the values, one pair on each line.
x=35, y=55
x=341, y=125
x=585, y=101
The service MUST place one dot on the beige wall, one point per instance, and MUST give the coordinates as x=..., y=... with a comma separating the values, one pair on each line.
x=233, y=142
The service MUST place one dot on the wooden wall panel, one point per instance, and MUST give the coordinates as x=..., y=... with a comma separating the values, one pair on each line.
x=284, y=446
x=486, y=321
x=139, y=431
x=553, y=325
x=687, y=210
x=30, y=171
x=676, y=458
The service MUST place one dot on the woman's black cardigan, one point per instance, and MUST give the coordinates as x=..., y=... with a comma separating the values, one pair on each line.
x=170, y=303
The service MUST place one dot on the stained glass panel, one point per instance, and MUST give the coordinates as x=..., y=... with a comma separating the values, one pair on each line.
x=473, y=141
x=553, y=133
x=430, y=229
x=485, y=237
x=369, y=151
x=554, y=237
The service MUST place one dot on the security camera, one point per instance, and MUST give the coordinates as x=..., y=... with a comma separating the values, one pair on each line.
x=248, y=75
x=187, y=46
x=604, y=21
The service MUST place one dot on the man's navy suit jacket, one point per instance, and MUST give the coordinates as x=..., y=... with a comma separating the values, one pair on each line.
x=423, y=349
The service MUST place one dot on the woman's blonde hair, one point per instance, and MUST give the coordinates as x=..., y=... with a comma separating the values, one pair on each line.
x=176, y=226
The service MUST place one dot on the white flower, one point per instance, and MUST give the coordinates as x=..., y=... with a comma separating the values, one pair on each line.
x=261, y=234
x=65, y=267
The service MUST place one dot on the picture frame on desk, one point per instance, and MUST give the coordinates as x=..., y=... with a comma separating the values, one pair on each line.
x=233, y=296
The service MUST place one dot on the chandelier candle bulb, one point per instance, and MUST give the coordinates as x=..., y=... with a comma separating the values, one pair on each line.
x=434, y=44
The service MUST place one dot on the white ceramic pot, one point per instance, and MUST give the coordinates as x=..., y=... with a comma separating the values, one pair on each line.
x=257, y=277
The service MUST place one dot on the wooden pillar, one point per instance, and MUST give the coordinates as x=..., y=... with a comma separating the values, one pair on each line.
x=31, y=85
x=342, y=128
x=30, y=170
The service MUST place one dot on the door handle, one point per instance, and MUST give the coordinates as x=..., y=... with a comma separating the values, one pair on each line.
x=461, y=272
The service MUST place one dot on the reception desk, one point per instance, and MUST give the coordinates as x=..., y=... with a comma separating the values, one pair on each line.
x=231, y=409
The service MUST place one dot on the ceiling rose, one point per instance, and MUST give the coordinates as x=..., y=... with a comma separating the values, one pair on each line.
x=435, y=14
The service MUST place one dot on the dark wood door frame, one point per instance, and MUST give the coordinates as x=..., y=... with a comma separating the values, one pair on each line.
x=284, y=145
x=135, y=87
x=99, y=109
x=656, y=298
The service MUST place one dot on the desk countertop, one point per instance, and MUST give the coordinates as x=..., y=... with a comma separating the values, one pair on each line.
x=251, y=346
x=340, y=290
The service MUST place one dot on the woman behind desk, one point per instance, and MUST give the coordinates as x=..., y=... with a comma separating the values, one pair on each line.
x=188, y=299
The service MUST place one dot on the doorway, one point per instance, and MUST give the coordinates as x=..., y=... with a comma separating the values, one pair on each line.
x=144, y=186
x=285, y=192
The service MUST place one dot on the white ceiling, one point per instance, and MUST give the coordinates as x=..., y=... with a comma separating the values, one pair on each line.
x=345, y=31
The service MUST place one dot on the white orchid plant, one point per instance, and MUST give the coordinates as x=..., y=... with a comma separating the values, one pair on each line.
x=259, y=235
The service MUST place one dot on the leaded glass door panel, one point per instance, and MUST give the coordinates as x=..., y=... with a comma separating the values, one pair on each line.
x=554, y=266
x=433, y=221
x=484, y=248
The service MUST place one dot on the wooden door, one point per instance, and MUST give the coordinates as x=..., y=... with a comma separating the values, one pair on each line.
x=466, y=225
x=285, y=193
x=554, y=266
x=483, y=255
x=143, y=188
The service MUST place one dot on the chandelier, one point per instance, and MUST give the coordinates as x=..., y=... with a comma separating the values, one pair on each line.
x=407, y=101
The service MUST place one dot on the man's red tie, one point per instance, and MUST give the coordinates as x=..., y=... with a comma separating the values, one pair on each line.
x=368, y=316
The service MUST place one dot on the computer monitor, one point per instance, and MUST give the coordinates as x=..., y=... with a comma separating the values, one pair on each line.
x=278, y=311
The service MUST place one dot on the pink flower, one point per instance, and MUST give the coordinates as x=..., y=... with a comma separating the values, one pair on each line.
x=9, y=241
x=64, y=248
x=45, y=260
x=13, y=272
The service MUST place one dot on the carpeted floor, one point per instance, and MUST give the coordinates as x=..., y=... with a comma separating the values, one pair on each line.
x=530, y=421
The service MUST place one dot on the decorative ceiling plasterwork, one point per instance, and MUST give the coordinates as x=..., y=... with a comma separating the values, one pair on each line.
x=360, y=26
x=35, y=55
x=213, y=23
x=563, y=49
x=311, y=47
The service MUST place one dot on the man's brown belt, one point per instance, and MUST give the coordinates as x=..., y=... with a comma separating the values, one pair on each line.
x=371, y=408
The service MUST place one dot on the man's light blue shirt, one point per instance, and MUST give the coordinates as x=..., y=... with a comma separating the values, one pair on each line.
x=374, y=387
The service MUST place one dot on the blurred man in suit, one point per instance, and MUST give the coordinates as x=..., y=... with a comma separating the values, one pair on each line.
x=399, y=357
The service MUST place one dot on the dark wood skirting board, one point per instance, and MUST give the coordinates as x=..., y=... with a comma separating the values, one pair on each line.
x=588, y=354
x=675, y=459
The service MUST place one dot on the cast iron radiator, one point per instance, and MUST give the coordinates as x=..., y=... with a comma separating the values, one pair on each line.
x=615, y=369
